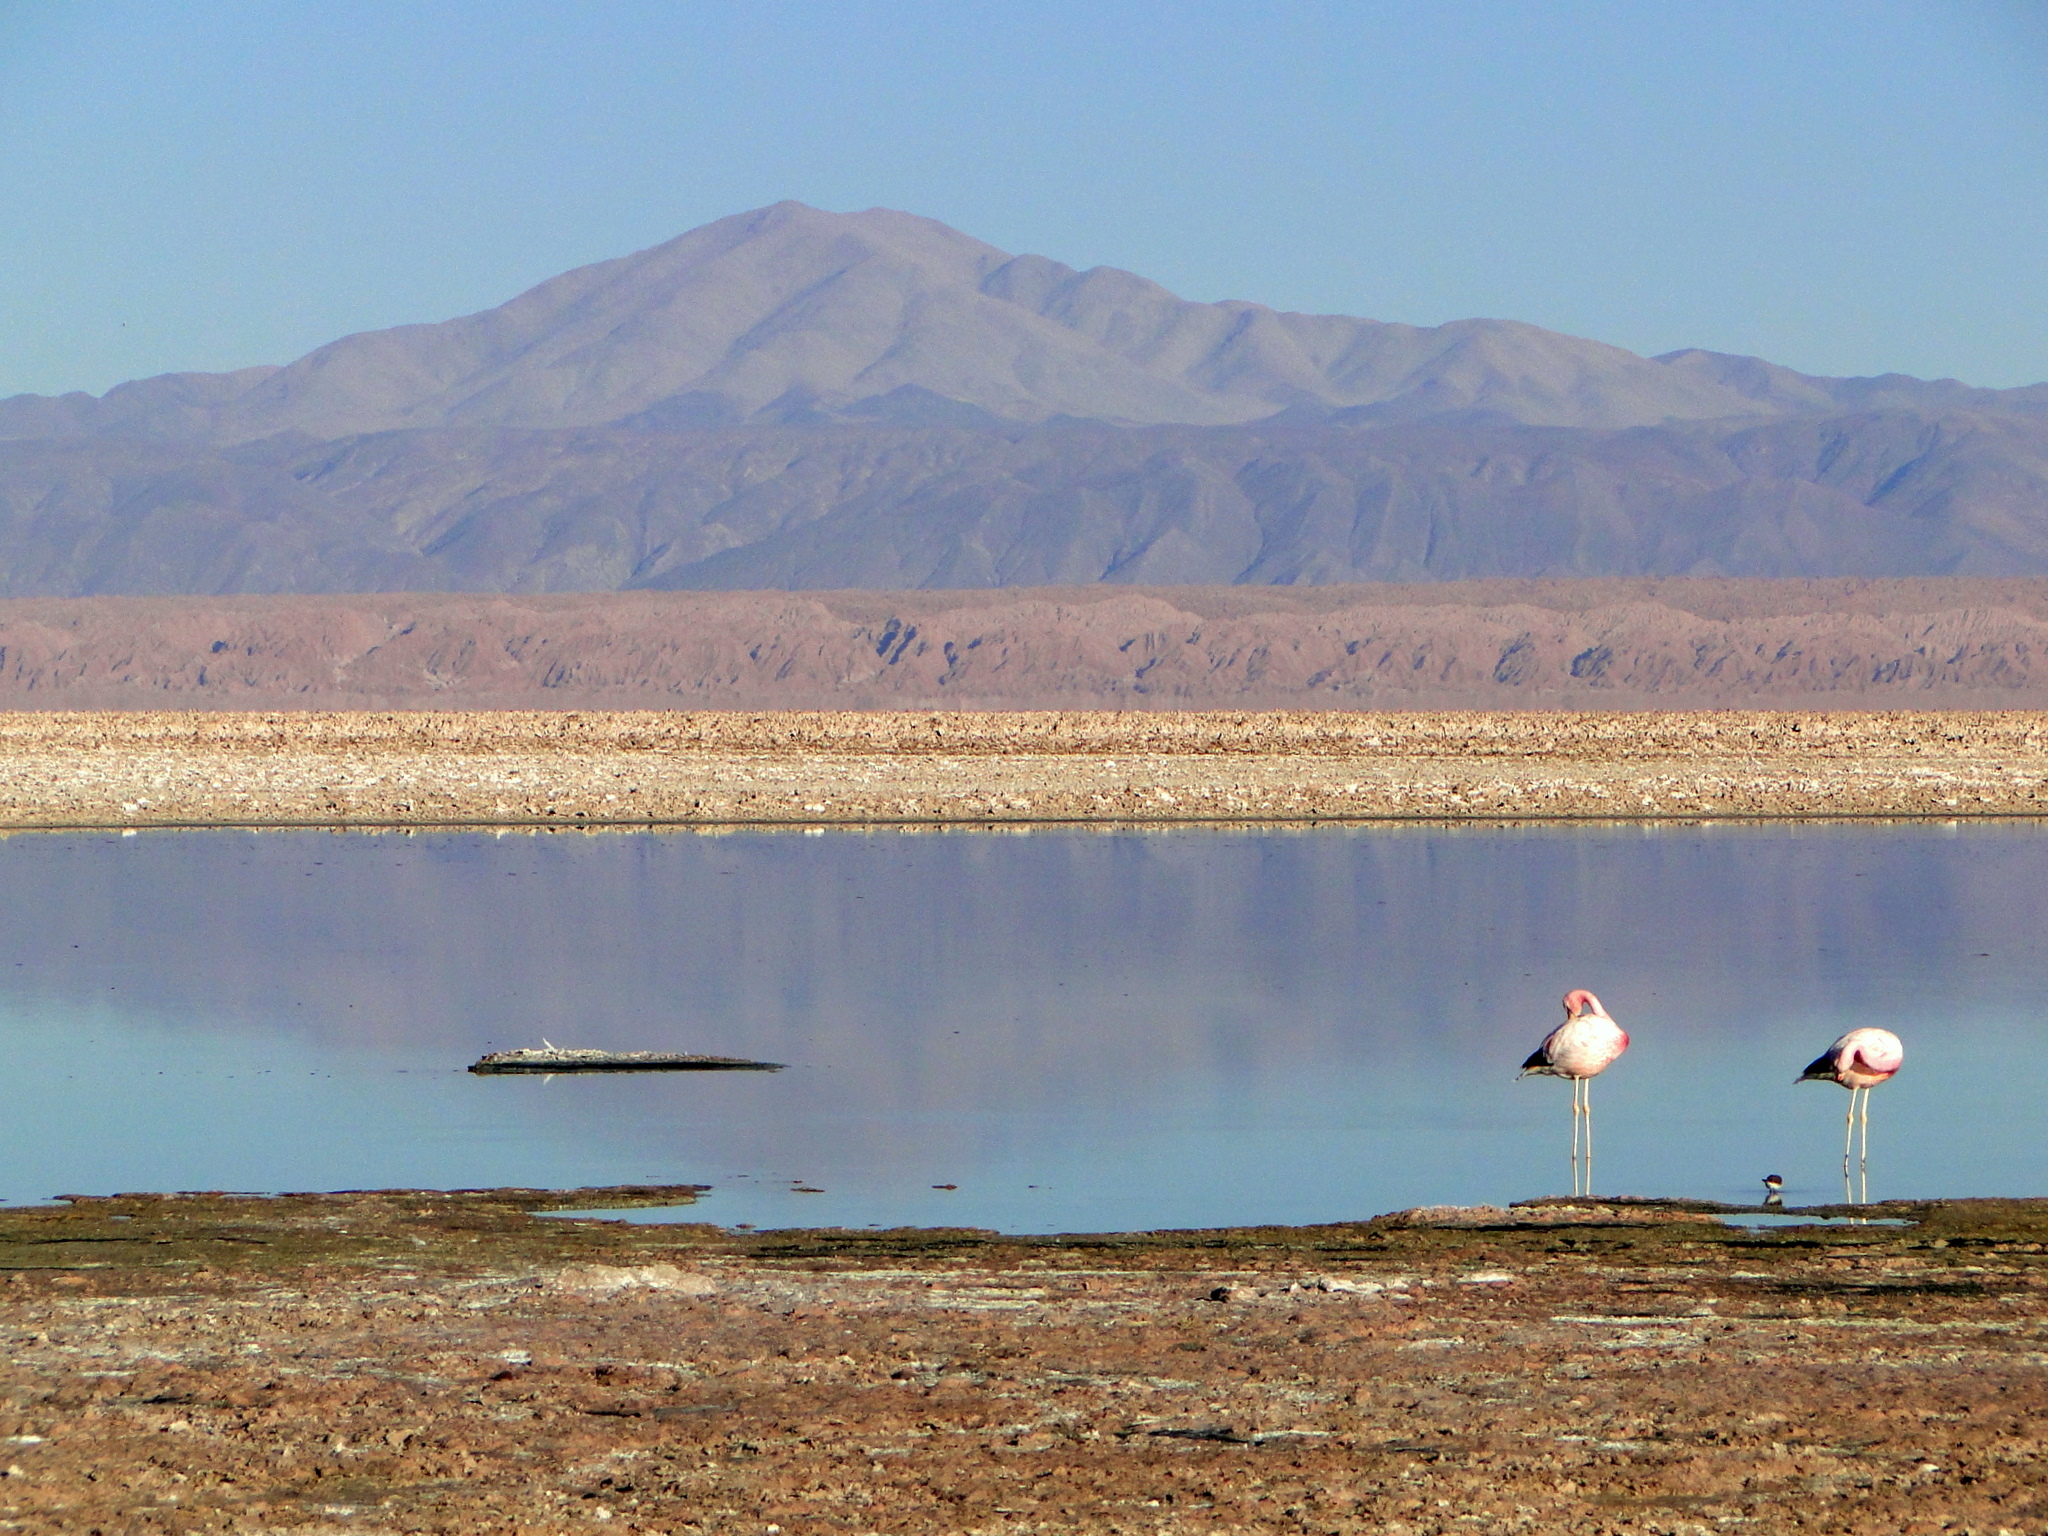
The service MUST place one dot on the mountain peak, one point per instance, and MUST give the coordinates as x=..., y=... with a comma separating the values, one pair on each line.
x=790, y=312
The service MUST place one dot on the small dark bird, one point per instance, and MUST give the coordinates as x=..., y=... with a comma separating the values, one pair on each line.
x=1772, y=1187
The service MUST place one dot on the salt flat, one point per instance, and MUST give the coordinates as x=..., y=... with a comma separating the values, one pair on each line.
x=536, y=768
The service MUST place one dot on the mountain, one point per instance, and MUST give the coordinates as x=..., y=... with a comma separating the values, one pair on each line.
x=790, y=314
x=602, y=509
x=792, y=398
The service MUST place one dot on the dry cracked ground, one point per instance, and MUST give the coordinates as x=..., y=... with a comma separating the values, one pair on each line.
x=539, y=768
x=406, y=1362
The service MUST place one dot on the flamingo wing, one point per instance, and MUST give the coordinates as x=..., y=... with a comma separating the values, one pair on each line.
x=1544, y=1058
x=1821, y=1069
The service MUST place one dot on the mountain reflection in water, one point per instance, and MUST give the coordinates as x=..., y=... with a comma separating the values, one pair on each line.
x=1153, y=1028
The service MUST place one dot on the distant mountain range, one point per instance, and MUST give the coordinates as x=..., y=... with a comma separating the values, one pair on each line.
x=791, y=398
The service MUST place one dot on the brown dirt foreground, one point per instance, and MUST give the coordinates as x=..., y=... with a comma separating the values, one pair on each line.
x=399, y=1362
x=539, y=768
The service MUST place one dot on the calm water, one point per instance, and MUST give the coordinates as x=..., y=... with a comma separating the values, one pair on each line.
x=1081, y=1030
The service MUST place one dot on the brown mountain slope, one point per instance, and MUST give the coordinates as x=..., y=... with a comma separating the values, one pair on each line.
x=1905, y=644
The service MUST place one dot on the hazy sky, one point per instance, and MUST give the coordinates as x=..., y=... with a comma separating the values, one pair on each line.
x=1845, y=186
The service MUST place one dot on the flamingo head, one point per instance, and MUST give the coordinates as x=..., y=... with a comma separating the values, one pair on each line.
x=1579, y=1003
x=1821, y=1069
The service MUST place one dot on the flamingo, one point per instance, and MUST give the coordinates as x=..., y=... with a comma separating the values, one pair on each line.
x=1859, y=1061
x=1586, y=1044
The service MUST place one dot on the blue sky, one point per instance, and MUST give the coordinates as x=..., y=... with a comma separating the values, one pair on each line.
x=1842, y=187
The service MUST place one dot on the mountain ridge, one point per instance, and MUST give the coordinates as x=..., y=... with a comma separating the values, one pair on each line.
x=488, y=509
x=795, y=399
x=786, y=314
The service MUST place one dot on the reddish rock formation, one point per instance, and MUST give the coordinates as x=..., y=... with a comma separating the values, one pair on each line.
x=1607, y=644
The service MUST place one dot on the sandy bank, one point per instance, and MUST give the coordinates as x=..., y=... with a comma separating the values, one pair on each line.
x=708, y=768
x=415, y=1362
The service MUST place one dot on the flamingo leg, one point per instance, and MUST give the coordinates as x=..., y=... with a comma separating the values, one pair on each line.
x=1589, y=1136
x=1863, y=1159
x=1575, y=1136
x=1848, y=1140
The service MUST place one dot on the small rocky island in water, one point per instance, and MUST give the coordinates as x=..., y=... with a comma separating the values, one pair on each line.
x=555, y=1058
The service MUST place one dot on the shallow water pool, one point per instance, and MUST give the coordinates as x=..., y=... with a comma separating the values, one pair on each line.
x=1075, y=1030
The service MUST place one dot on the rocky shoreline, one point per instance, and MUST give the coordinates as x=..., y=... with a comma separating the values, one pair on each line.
x=420, y=1362
x=656, y=768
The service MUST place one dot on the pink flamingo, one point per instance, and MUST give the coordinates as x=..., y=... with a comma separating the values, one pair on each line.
x=1859, y=1061
x=1586, y=1044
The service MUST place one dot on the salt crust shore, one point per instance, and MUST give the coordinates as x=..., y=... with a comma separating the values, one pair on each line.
x=400, y=1361
x=547, y=768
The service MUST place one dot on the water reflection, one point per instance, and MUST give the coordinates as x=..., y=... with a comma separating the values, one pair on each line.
x=1076, y=1029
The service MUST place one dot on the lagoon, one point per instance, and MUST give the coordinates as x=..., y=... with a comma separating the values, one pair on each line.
x=1078, y=1029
